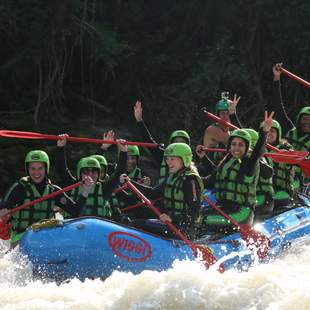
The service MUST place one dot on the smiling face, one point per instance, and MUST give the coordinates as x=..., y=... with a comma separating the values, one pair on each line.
x=305, y=123
x=272, y=136
x=131, y=162
x=91, y=172
x=174, y=163
x=37, y=171
x=237, y=147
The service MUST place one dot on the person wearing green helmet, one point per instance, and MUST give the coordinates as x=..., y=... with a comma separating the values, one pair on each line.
x=283, y=174
x=264, y=191
x=98, y=199
x=124, y=198
x=158, y=153
x=103, y=166
x=235, y=180
x=216, y=135
x=36, y=185
x=181, y=193
x=298, y=134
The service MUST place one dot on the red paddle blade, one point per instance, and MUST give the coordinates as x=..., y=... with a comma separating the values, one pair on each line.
x=302, y=154
x=204, y=254
x=285, y=158
x=20, y=134
x=305, y=166
x=5, y=228
x=255, y=240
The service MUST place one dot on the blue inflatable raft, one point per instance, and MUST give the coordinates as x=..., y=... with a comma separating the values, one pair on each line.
x=90, y=247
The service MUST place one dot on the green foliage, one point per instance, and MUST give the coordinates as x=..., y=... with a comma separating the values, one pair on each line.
x=70, y=59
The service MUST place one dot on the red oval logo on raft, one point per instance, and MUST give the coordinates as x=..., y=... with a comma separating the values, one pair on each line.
x=129, y=246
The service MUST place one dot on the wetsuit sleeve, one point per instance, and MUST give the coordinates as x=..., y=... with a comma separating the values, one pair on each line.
x=277, y=106
x=111, y=166
x=157, y=153
x=74, y=208
x=192, y=194
x=14, y=197
x=110, y=185
x=151, y=192
x=248, y=167
x=206, y=166
x=265, y=170
x=209, y=181
x=62, y=169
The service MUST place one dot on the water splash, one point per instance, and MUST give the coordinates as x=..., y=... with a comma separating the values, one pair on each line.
x=282, y=284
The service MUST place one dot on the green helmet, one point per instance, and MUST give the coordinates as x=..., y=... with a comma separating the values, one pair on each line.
x=180, y=150
x=101, y=159
x=276, y=125
x=254, y=136
x=181, y=134
x=133, y=150
x=242, y=134
x=221, y=105
x=303, y=111
x=87, y=162
x=37, y=156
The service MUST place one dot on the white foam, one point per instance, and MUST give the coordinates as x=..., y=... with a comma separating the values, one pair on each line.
x=282, y=284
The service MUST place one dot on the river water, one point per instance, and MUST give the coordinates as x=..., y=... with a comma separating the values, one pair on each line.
x=282, y=284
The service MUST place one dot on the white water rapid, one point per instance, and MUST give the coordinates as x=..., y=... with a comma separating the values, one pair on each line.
x=282, y=284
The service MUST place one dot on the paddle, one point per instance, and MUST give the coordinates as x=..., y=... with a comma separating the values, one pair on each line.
x=254, y=239
x=295, y=77
x=304, y=163
x=283, y=156
x=4, y=225
x=200, y=251
x=41, y=136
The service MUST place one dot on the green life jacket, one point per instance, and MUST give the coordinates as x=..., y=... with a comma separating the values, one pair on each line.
x=283, y=176
x=230, y=188
x=174, y=201
x=43, y=210
x=264, y=190
x=299, y=143
x=116, y=200
x=96, y=205
x=163, y=172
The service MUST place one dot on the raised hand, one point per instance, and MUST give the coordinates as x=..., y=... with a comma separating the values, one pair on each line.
x=138, y=111
x=110, y=135
x=268, y=121
x=276, y=69
x=62, y=141
x=233, y=104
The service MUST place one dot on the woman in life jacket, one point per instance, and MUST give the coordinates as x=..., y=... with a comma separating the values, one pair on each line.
x=124, y=198
x=235, y=180
x=181, y=193
x=101, y=191
x=298, y=134
x=283, y=176
x=34, y=185
x=264, y=191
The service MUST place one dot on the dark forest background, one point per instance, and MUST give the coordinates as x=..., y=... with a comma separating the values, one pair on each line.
x=78, y=66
